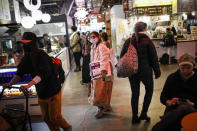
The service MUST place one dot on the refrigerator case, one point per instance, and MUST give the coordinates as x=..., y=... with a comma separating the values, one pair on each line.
x=13, y=98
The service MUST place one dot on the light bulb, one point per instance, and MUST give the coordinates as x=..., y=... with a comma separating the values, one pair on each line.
x=46, y=18
x=27, y=22
x=37, y=15
x=30, y=6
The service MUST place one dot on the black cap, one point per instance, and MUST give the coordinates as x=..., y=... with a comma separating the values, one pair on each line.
x=28, y=37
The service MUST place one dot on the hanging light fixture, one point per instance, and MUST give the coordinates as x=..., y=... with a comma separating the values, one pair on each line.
x=81, y=14
x=46, y=18
x=37, y=15
x=27, y=22
x=32, y=4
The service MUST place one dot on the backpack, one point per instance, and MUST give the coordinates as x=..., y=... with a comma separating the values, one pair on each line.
x=128, y=64
x=58, y=69
x=169, y=40
x=164, y=59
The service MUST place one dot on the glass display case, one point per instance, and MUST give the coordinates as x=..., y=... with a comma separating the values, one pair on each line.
x=6, y=75
x=13, y=98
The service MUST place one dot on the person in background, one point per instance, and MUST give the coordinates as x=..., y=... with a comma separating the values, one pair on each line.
x=169, y=38
x=147, y=61
x=179, y=95
x=104, y=39
x=76, y=48
x=45, y=43
x=173, y=30
x=86, y=78
x=40, y=66
x=179, y=34
x=102, y=86
x=100, y=32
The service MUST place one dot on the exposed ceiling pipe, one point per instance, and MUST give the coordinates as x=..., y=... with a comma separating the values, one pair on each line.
x=70, y=8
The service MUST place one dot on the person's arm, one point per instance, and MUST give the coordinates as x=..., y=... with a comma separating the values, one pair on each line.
x=153, y=59
x=35, y=80
x=166, y=92
x=74, y=41
x=104, y=59
x=13, y=81
x=125, y=48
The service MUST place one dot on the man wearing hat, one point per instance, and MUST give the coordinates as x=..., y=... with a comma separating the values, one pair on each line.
x=179, y=95
x=40, y=66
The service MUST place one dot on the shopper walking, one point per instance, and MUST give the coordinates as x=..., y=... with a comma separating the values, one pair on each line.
x=76, y=47
x=147, y=60
x=86, y=78
x=40, y=66
x=102, y=85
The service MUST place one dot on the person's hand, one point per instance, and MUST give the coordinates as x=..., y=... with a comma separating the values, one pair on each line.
x=24, y=89
x=189, y=102
x=173, y=101
x=103, y=75
x=157, y=75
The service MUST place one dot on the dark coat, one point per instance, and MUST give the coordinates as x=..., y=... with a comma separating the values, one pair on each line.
x=147, y=55
x=38, y=63
x=175, y=86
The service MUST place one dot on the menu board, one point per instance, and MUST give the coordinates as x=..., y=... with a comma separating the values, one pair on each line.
x=186, y=5
x=4, y=10
x=143, y=3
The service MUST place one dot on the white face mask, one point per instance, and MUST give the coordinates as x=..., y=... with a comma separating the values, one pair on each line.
x=94, y=41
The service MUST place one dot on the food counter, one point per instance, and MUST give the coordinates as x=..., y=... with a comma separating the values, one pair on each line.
x=161, y=50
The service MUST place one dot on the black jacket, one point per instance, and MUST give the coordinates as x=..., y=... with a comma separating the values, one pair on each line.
x=147, y=55
x=175, y=86
x=39, y=63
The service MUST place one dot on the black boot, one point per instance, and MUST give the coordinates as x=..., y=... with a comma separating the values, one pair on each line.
x=135, y=120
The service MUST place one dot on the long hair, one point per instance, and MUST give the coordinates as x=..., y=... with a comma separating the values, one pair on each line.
x=104, y=36
x=139, y=27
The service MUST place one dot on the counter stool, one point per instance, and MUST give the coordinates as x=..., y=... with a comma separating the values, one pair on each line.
x=189, y=122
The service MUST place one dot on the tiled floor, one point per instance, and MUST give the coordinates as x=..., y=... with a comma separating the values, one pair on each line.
x=80, y=114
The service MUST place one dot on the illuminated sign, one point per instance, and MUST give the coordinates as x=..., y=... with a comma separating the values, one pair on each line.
x=143, y=3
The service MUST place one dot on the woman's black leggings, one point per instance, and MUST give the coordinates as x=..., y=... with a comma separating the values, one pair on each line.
x=147, y=80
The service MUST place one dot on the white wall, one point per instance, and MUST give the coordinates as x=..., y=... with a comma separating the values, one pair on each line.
x=119, y=27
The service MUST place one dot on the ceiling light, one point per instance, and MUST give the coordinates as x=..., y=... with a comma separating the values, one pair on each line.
x=27, y=22
x=81, y=14
x=30, y=6
x=37, y=15
x=184, y=16
x=46, y=18
x=193, y=13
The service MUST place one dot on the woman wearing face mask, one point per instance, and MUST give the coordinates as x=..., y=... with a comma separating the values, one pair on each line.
x=40, y=66
x=102, y=86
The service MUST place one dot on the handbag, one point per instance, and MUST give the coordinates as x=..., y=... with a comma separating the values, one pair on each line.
x=128, y=64
x=95, y=70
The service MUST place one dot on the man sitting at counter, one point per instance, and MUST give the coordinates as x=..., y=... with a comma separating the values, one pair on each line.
x=179, y=95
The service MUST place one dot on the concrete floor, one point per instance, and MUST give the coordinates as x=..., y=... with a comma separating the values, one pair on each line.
x=77, y=111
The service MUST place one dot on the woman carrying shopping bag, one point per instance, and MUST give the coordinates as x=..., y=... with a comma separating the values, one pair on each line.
x=101, y=74
x=147, y=61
